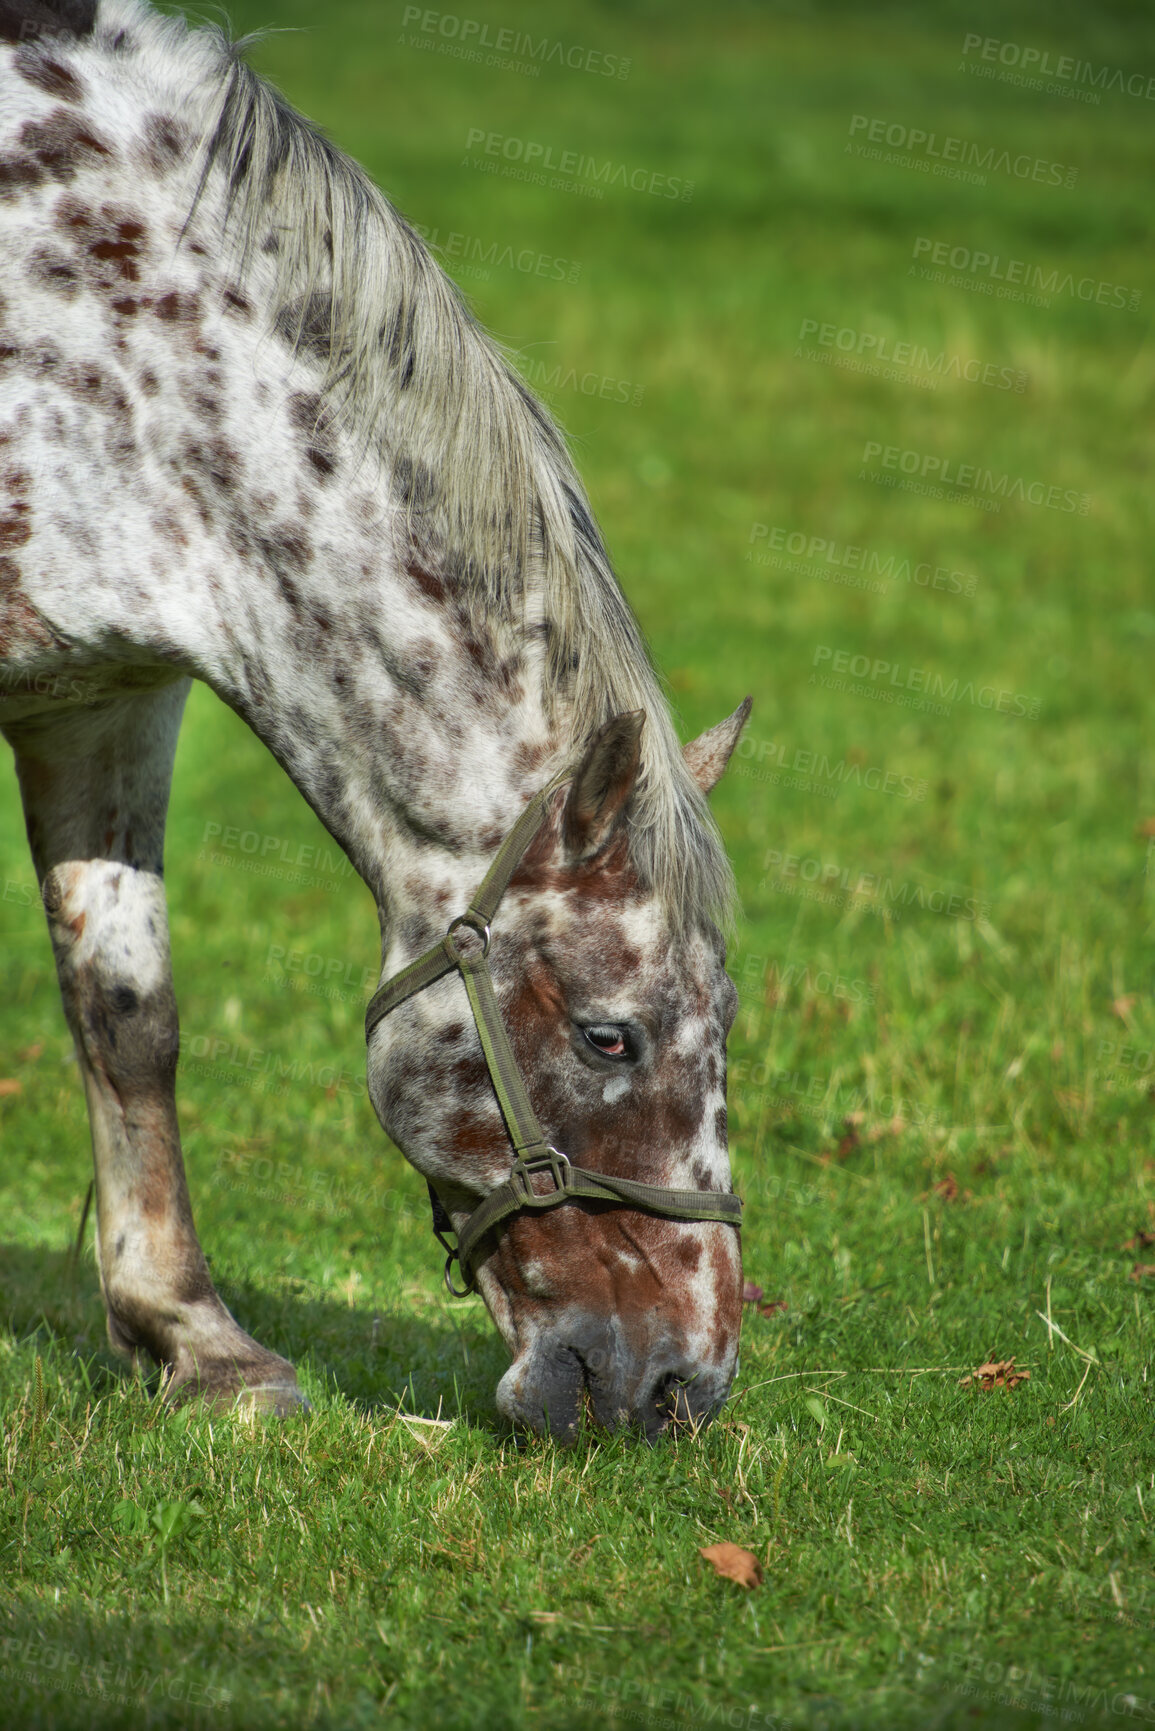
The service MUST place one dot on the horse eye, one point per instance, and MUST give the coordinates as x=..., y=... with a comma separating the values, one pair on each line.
x=609, y=1040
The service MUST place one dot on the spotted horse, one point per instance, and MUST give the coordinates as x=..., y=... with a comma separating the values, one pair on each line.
x=250, y=434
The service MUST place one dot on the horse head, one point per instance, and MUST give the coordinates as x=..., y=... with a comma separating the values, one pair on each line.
x=616, y=1014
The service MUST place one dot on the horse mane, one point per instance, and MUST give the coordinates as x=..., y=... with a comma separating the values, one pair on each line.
x=482, y=470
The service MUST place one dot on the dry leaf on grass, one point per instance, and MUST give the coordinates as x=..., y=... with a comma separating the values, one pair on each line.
x=1143, y=1271
x=750, y=1293
x=9, y=1085
x=1123, y=1006
x=1140, y=1241
x=996, y=1373
x=947, y=1190
x=31, y=1053
x=733, y=1564
x=772, y=1306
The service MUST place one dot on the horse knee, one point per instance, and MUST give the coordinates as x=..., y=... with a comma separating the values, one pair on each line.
x=134, y=1034
x=110, y=936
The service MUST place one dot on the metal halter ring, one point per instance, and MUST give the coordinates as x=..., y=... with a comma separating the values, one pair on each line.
x=476, y=924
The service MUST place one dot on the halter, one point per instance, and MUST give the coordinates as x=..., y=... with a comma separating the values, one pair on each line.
x=534, y=1157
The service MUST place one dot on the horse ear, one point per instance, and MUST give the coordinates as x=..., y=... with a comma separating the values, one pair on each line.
x=603, y=784
x=707, y=756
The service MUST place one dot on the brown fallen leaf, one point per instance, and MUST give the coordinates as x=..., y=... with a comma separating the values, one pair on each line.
x=772, y=1306
x=1140, y=1241
x=1123, y=1006
x=1143, y=1270
x=947, y=1190
x=996, y=1373
x=31, y=1053
x=750, y=1293
x=733, y=1564
x=9, y=1085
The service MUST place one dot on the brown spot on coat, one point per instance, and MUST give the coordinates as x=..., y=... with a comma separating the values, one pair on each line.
x=166, y=141
x=429, y=585
x=47, y=74
x=22, y=627
x=322, y=463
x=15, y=528
x=123, y=250
x=18, y=173
x=176, y=307
x=63, y=144
x=55, y=270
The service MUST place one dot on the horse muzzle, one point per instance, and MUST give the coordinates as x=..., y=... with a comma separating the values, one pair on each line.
x=586, y=1366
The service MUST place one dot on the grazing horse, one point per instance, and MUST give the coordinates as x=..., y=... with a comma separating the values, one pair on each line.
x=250, y=434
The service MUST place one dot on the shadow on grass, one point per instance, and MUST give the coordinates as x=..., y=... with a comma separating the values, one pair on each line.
x=373, y=1357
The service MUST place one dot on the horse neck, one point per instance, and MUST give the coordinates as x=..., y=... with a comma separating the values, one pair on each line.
x=414, y=729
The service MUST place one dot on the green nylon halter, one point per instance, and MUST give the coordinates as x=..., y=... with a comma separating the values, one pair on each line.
x=533, y=1155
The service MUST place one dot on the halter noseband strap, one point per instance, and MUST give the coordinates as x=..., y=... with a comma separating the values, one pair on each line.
x=533, y=1155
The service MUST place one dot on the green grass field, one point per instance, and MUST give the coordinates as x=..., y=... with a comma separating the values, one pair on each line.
x=943, y=1073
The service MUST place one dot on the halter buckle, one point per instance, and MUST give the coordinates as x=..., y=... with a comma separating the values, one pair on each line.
x=476, y=924
x=548, y=1159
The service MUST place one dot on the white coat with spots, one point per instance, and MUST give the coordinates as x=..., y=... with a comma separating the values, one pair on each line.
x=249, y=434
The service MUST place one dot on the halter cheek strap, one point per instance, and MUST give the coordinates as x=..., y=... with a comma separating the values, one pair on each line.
x=534, y=1157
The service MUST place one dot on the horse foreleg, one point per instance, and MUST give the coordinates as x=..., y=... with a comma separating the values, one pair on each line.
x=95, y=790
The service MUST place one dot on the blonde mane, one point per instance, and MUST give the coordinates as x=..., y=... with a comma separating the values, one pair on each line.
x=480, y=466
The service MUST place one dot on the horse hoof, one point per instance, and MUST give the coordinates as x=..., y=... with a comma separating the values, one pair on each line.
x=270, y=1400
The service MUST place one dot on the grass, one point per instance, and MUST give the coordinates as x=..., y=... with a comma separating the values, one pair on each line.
x=941, y=1111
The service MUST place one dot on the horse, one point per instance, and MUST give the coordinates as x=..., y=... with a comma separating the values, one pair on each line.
x=251, y=434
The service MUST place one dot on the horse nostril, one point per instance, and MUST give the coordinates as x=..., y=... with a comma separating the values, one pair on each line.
x=670, y=1403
